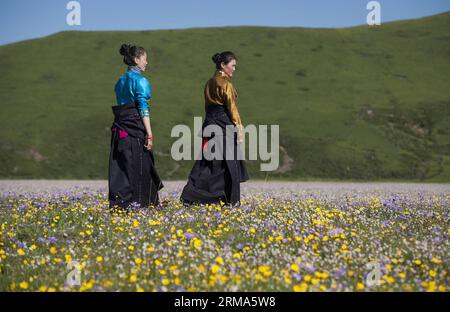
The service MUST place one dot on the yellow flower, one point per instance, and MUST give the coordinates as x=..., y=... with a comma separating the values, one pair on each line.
x=215, y=268
x=138, y=260
x=23, y=285
x=389, y=279
x=431, y=286
x=133, y=278
x=265, y=269
x=436, y=260
x=99, y=258
x=20, y=251
x=300, y=287
x=432, y=273
x=131, y=247
x=150, y=249
x=53, y=250
x=295, y=267
x=219, y=260
x=197, y=243
x=418, y=262
x=344, y=246
x=321, y=275
x=360, y=286
x=108, y=283
x=252, y=231
x=166, y=281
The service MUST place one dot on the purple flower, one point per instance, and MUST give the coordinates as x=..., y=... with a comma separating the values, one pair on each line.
x=296, y=276
x=340, y=272
x=52, y=239
x=21, y=244
x=42, y=240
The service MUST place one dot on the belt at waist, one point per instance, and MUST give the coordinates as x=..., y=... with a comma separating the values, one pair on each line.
x=126, y=111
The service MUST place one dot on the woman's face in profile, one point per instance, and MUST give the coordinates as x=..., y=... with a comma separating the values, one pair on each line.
x=229, y=68
x=141, y=61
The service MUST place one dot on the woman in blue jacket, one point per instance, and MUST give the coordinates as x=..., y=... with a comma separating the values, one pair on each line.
x=132, y=177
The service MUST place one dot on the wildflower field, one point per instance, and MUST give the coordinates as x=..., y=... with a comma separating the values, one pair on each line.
x=300, y=238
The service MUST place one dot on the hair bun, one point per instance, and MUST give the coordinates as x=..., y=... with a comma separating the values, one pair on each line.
x=216, y=58
x=125, y=49
x=224, y=57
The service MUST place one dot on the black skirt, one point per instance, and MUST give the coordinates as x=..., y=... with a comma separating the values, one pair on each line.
x=132, y=177
x=215, y=180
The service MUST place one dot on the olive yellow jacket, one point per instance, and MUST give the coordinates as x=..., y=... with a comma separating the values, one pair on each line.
x=220, y=91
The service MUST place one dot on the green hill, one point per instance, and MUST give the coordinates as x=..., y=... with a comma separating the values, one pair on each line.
x=352, y=103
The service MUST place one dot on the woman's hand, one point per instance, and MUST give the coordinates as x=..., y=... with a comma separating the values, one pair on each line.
x=149, y=142
x=240, y=134
x=240, y=138
x=148, y=130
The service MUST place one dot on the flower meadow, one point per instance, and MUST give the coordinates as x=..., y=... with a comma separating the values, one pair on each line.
x=300, y=239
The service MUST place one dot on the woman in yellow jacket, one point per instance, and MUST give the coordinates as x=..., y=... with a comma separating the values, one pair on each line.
x=218, y=179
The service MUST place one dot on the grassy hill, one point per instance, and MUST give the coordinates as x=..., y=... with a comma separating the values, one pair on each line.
x=353, y=103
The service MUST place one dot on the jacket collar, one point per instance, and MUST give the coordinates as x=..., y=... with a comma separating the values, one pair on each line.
x=135, y=69
x=219, y=73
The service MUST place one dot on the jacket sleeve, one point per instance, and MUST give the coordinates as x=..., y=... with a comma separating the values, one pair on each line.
x=229, y=96
x=143, y=94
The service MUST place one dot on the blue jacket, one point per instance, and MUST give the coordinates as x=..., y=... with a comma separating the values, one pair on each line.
x=134, y=87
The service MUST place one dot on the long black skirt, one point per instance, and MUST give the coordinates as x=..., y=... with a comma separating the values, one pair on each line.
x=215, y=180
x=132, y=177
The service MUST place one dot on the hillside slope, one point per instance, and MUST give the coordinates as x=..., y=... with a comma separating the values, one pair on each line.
x=354, y=103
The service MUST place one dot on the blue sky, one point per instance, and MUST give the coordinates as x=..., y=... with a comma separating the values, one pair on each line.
x=26, y=19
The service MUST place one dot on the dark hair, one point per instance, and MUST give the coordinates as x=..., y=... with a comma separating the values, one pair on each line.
x=223, y=57
x=129, y=52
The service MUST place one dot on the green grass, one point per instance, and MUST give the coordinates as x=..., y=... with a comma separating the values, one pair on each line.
x=317, y=84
